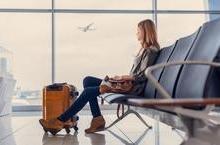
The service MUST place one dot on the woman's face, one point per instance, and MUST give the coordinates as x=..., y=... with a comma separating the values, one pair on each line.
x=140, y=34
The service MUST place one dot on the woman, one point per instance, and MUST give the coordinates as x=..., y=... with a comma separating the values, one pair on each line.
x=147, y=36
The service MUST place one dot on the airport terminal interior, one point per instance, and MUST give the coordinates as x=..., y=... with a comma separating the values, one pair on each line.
x=55, y=44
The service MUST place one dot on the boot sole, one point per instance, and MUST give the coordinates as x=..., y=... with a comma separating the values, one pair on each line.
x=101, y=128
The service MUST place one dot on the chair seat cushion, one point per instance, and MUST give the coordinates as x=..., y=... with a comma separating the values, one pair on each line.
x=117, y=98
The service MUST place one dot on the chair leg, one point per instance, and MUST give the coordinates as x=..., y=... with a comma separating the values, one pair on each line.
x=117, y=120
x=126, y=142
x=139, y=116
x=129, y=111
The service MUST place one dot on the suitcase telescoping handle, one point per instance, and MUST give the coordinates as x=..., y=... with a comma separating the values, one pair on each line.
x=59, y=87
x=56, y=86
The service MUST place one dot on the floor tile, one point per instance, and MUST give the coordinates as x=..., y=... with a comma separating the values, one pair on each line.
x=25, y=129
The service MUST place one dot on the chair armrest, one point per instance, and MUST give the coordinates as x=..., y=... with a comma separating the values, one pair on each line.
x=175, y=106
x=158, y=86
x=173, y=102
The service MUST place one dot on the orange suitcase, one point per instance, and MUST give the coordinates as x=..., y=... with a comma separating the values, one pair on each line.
x=57, y=98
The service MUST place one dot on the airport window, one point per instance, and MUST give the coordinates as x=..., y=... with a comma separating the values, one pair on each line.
x=183, y=4
x=174, y=26
x=80, y=35
x=26, y=37
x=27, y=4
x=100, y=4
x=96, y=50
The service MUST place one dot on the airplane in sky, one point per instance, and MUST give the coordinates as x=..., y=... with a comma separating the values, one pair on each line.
x=87, y=28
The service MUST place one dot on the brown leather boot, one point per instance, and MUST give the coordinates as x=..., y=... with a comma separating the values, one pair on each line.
x=55, y=125
x=97, y=124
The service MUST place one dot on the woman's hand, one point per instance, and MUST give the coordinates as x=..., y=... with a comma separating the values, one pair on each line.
x=116, y=78
x=123, y=77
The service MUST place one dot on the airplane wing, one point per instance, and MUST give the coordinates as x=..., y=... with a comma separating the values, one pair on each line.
x=91, y=29
x=90, y=25
x=87, y=28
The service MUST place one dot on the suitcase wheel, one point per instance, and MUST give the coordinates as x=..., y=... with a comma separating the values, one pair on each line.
x=67, y=130
x=53, y=133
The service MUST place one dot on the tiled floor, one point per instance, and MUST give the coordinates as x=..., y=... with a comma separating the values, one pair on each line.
x=24, y=129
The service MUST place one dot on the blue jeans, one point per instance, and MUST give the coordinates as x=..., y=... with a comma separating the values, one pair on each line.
x=89, y=94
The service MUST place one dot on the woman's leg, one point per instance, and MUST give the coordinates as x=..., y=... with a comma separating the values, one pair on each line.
x=89, y=94
x=90, y=81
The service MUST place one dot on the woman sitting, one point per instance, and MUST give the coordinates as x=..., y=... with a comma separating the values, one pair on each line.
x=147, y=36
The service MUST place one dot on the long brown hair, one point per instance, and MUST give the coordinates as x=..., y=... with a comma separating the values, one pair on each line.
x=150, y=34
